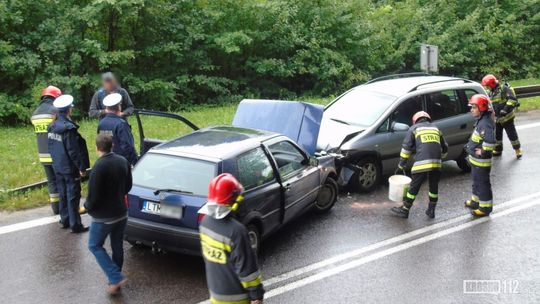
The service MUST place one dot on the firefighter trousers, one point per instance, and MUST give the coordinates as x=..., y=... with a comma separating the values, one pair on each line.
x=481, y=188
x=510, y=128
x=433, y=178
x=52, y=187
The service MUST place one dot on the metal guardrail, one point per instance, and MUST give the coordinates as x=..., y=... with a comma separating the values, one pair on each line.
x=521, y=92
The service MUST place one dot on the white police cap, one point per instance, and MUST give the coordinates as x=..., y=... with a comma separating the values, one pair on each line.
x=63, y=101
x=112, y=99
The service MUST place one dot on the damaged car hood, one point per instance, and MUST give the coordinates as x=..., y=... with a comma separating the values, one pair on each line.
x=334, y=133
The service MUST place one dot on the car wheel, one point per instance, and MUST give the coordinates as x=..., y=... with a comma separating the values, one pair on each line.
x=327, y=196
x=463, y=163
x=254, y=237
x=368, y=176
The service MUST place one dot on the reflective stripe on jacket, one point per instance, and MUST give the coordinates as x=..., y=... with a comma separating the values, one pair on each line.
x=42, y=117
x=483, y=138
x=232, y=272
x=426, y=141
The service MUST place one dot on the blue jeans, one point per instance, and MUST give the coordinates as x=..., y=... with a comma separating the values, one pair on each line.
x=98, y=234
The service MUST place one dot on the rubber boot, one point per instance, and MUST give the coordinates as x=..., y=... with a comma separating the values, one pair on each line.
x=430, y=212
x=82, y=210
x=497, y=153
x=479, y=213
x=519, y=153
x=55, y=208
x=472, y=204
x=401, y=211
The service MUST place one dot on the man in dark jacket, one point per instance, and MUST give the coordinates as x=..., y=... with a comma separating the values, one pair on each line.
x=110, y=181
x=114, y=125
x=110, y=85
x=427, y=142
x=70, y=161
x=232, y=272
x=42, y=117
x=480, y=149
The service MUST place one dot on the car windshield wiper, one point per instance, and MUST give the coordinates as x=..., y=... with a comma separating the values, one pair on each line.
x=340, y=121
x=156, y=192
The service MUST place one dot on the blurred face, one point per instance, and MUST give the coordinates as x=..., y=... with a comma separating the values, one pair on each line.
x=475, y=111
x=109, y=85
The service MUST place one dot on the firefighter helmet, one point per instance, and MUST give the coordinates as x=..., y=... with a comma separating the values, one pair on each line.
x=224, y=195
x=490, y=81
x=481, y=101
x=420, y=114
x=51, y=91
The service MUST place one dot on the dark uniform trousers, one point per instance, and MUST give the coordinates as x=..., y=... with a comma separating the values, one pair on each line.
x=433, y=178
x=510, y=128
x=481, y=188
x=69, y=187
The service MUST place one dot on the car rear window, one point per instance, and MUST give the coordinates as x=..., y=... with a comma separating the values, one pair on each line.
x=359, y=107
x=157, y=171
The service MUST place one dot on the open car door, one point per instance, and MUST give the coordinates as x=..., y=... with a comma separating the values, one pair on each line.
x=147, y=143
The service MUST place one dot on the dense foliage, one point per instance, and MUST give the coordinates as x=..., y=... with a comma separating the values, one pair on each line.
x=171, y=53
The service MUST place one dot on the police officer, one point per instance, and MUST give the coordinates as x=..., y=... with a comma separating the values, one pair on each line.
x=232, y=273
x=113, y=124
x=42, y=117
x=504, y=102
x=480, y=148
x=427, y=142
x=110, y=85
x=70, y=161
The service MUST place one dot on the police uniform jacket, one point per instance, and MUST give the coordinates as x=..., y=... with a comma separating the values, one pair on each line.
x=231, y=264
x=67, y=147
x=483, y=137
x=427, y=143
x=119, y=129
x=42, y=117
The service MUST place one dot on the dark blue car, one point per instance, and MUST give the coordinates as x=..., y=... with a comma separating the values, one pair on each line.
x=171, y=180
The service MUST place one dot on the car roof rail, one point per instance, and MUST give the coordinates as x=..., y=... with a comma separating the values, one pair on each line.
x=439, y=81
x=396, y=76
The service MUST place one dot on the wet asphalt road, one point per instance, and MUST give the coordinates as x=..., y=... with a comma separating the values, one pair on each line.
x=47, y=265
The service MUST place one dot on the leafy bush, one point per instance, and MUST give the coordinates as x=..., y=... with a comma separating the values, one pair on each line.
x=172, y=54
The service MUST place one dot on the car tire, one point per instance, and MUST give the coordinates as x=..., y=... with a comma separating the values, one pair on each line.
x=463, y=163
x=368, y=177
x=327, y=196
x=254, y=238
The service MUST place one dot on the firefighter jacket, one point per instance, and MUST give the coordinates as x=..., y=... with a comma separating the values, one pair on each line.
x=231, y=264
x=503, y=98
x=67, y=147
x=42, y=117
x=483, y=138
x=427, y=143
x=119, y=129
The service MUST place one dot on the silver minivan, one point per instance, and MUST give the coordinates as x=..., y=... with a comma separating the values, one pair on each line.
x=368, y=123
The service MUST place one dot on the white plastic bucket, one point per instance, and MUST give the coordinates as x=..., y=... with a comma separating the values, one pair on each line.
x=399, y=184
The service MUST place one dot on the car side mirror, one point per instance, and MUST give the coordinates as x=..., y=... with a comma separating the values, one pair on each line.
x=313, y=161
x=399, y=127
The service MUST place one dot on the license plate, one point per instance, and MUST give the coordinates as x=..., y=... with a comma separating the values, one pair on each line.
x=151, y=207
x=171, y=211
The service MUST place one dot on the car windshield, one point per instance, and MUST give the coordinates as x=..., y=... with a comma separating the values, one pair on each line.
x=359, y=107
x=157, y=171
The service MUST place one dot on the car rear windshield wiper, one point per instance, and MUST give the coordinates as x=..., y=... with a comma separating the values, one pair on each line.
x=156, y=192
x=340, y=121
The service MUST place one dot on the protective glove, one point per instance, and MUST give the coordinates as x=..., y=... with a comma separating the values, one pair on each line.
x=503, y=112
x=402, y=164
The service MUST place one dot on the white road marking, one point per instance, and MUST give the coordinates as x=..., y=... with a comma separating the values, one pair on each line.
x=29, y=224
x=387, y=242
x=375, y=256
x=528, y=126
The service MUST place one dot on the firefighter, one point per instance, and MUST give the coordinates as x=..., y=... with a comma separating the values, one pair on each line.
x=70, y=161
x=504, y=102
x=232, y=273
x=480, y=149
x=113, y=124
x=109, y=85
x=427, y=143
x=42, y=117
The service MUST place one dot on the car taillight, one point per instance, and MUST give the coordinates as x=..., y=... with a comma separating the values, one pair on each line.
x=200, y=218
x=126, y=201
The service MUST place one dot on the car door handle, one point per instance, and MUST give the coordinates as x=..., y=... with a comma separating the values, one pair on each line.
x=463, y=126
x=287, y=187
